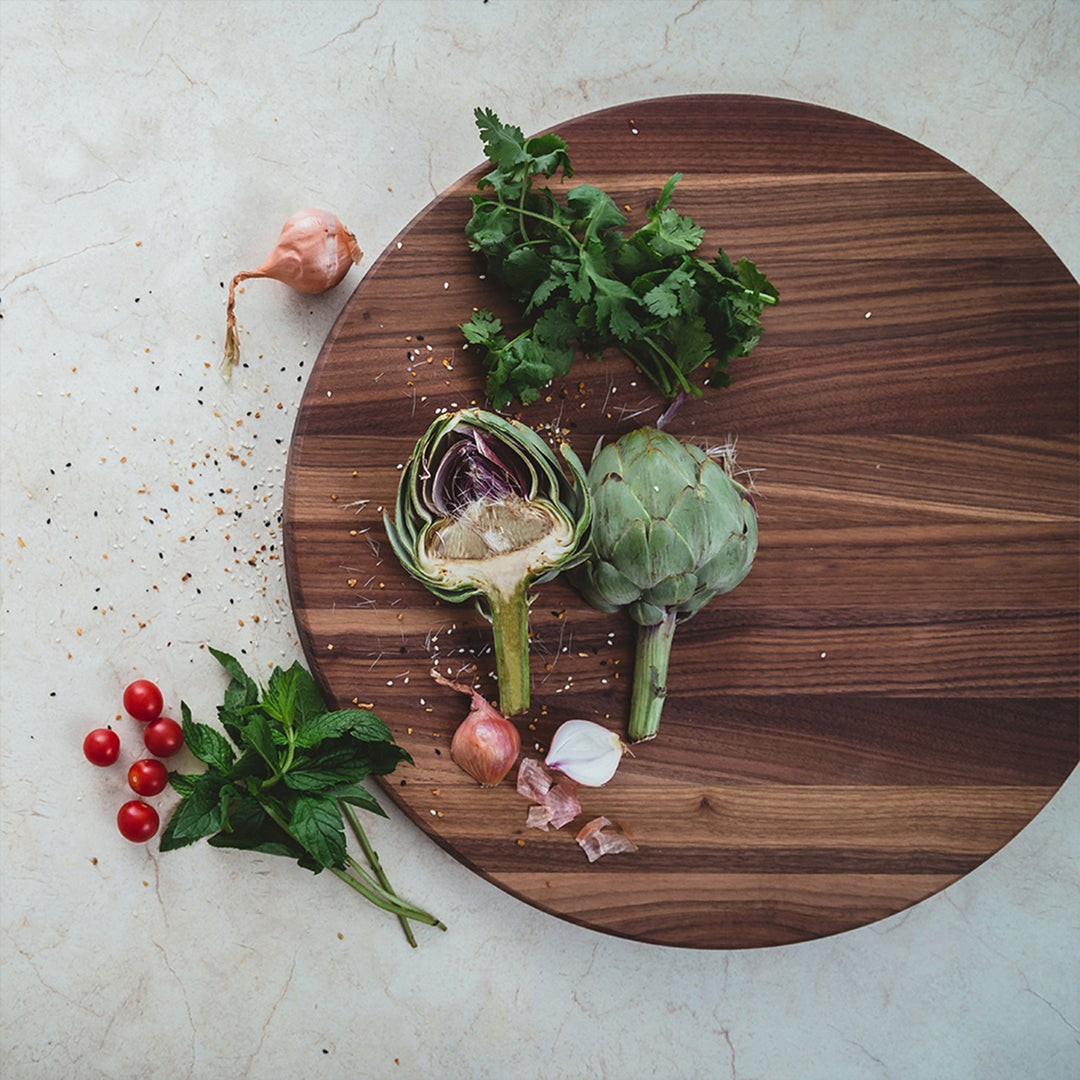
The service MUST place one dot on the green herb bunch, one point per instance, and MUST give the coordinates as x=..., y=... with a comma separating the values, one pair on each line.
x=582, y=282
x=288, y=781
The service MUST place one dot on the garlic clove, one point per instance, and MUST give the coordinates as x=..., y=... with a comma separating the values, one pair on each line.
x=586, y=752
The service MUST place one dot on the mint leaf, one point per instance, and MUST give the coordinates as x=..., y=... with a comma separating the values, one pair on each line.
x=316, y=824
x=300, y=767
x=258, y=735
x=197, y=815
x=316, y=772
x=355, y=795
x=250, y=828
x=243, y=690
x=183, y=783
x=205, y=743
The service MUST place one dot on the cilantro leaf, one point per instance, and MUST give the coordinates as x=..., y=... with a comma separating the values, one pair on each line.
x=582, y=282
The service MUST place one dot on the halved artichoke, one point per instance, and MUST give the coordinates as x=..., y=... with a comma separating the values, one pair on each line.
x=485, y=508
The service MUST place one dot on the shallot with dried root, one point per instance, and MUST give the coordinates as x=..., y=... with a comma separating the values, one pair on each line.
x=486, y=744
x=313, y=254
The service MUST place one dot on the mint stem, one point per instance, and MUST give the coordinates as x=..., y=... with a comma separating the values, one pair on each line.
x=373, y=858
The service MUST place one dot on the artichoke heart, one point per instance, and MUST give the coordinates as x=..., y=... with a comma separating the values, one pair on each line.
x=496, y=542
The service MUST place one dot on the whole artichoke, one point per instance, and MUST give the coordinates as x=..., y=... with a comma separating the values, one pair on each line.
x=484, y=508
x=671, y=530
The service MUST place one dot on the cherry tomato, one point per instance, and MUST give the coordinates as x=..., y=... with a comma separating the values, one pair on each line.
x=148, y=777
x=101, y=746
x=163, y=737
x=137, y=822
x=143, y=701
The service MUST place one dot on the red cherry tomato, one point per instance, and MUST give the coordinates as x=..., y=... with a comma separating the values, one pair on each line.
x=101, y=746
x=148, y=777
x=137, y=822
x=143, y=701
x=163, y=737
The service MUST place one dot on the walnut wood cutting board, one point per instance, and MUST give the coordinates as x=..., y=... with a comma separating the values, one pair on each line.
x=891, y=695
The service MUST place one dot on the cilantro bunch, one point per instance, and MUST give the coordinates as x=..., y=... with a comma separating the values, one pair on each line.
x=288, y=780
x=580, y=281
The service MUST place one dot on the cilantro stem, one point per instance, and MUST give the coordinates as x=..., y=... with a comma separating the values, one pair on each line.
x=522, y=212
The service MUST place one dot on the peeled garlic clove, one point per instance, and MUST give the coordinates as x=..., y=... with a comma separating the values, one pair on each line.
x=586, y=752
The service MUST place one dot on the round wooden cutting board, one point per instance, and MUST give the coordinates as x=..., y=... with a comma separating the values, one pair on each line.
x=891, y=695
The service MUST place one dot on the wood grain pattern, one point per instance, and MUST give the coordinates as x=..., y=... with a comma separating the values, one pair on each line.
x=892, y=694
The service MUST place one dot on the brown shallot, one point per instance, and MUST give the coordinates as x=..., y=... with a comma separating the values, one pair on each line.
x=486, y=744
x=313, y=254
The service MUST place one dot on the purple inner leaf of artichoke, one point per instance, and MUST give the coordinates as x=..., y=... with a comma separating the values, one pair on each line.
x=475, y=466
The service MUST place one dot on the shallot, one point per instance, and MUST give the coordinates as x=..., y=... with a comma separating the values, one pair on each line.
x=486, y=744
x=313, y=254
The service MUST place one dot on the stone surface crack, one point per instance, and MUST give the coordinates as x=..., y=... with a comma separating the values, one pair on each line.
x=270, y=1016
x=345, y=33
x=53, y=262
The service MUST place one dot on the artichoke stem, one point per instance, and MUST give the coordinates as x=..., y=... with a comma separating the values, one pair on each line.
x=650, y=678
x=510, y=629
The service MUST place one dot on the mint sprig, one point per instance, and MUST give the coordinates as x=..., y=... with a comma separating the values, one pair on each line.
x=286, y=778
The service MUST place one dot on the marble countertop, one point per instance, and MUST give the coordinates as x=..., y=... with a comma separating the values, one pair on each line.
x=151, y=151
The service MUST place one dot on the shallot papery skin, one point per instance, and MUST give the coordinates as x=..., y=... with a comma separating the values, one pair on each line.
x=533, y=782
x=586, y=752
x=314, y=252
x=604, y=837
x=557, y=803
x=486, y=744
